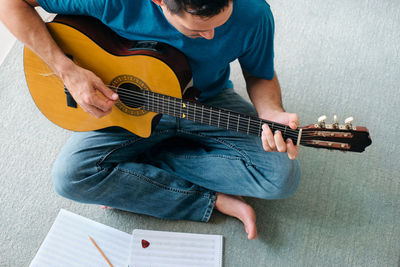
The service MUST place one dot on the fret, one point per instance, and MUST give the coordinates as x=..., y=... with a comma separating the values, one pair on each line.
x=154, y=99
x=202, y=112
x=180, y=114
x=224, y=123
x=158, y=106
x=219, y=117
x=254, y=126
x=188, y=109
x=186, y=106
x=209, y=123
x=272, y=127
x=248, y=126
x=162, y=104
x=174, y=109
x=194, y=112
x=284, y=134
x=168, y=107
x=158, y=103
x=260, y=128
x=154, y=103
x=237, y=128
x=153, y=106
x=227, y=124
x=146, y=101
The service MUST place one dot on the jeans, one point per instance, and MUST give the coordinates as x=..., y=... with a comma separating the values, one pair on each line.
x=177, y=171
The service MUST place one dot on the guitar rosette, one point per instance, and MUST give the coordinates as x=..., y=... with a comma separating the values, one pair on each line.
x=131, y=97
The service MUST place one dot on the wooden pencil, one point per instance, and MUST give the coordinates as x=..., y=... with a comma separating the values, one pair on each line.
x=101, y=252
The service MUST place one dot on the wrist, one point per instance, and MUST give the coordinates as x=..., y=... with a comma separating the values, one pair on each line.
x=62, y=66
x=270, y=112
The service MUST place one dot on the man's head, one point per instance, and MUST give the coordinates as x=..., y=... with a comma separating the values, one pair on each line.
x=196, y=18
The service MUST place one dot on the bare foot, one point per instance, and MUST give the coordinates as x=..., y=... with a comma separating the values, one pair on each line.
x=235, y=206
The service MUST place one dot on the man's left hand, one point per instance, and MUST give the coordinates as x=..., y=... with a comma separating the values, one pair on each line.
x=274, y=141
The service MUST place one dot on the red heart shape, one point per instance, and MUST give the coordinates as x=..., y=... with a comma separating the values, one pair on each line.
x=145, y=243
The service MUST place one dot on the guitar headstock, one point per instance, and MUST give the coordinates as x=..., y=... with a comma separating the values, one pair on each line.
x=334, y=136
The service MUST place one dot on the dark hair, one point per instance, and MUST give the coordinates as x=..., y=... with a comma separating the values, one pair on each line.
x=202, y=8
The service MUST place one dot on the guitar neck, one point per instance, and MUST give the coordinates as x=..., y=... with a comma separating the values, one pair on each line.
x=218, y=117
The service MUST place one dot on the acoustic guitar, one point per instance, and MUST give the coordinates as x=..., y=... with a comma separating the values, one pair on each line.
x=151, y=79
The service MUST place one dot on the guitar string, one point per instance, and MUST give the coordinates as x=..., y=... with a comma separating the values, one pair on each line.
x=289, y=132
x=243, y=128
x=176, y=103
x=251, y=128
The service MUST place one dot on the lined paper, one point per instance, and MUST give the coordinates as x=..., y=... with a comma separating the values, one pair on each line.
x=175, y=249
x=68, y=243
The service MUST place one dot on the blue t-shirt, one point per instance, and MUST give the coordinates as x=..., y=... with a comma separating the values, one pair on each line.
x=247, y=36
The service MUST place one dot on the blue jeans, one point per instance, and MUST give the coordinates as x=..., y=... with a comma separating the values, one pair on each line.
x=176, y=172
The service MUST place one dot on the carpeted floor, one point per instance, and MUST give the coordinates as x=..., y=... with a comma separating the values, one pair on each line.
x=332, y=57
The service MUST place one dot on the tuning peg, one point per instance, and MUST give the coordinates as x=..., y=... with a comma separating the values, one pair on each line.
x=336, y=122
x=321, y=121
x=349, y=122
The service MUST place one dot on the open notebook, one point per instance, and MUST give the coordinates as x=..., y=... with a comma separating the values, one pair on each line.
x=68, y=244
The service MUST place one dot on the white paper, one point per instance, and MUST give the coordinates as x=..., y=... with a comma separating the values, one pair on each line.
x=175, y=249
x=68, y=244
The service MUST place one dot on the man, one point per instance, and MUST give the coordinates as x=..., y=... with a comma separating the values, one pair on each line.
x=183, y=170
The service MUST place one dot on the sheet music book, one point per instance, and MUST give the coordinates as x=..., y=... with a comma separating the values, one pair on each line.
x=68, y=244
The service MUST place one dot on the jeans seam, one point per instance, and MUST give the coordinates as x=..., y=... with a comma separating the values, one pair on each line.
x=247, y=159
x=141, y=176
x=210, y=207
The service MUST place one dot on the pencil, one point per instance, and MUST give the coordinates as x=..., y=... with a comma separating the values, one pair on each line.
x=101, y=252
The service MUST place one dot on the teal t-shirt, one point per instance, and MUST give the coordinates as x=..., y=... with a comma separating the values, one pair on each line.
x=247, y=35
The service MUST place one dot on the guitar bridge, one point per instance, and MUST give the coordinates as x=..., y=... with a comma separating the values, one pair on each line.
x=70, y=100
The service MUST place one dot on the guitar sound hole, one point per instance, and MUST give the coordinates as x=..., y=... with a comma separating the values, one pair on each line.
x=130, y=95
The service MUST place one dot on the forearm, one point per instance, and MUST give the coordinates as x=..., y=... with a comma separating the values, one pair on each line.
x=264, y=94
x=22, y=20
x=267, y=99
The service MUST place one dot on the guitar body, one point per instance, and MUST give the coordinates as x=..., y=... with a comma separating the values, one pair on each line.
x=120, y=63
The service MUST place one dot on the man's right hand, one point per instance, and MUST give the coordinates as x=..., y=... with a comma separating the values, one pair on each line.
x=88, y=90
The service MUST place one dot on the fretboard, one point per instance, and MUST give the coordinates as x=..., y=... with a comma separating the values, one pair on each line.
x=218, y=117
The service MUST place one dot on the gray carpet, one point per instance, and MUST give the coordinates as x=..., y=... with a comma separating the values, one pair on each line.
x=332, y=57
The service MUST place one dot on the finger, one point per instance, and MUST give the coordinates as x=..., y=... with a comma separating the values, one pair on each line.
x=269, y=137
x=292, y=150
x=294, y=121
x=265, y=142
x=95, y=105
x=107, y=92
x=280, y=143
x=100, y=103
x=92, y=110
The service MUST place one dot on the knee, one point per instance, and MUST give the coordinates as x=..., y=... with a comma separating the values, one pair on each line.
x=283, y=181
x=290, y=178
x=66, y=178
